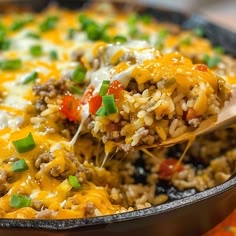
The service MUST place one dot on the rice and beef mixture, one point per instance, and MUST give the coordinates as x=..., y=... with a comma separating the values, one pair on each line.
x=83, y=109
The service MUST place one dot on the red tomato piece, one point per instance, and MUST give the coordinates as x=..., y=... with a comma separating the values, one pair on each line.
x=87, y=95
x=70, y=107
x=190, y=114
x=95, y=103
x=168, y=167
x=201, y=67
x=115, y=88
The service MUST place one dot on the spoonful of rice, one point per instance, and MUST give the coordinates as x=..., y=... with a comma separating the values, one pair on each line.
x=225, y=118
x=137, y=97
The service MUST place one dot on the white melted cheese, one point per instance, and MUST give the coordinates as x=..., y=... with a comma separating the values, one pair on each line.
x=16, y=93
x=8, y=120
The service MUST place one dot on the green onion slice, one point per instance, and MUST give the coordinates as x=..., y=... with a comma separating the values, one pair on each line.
x=199, y=32
x=78, y=74
x=219, y=49
x=104, y=87
x=30, y=78
x=49, y=23
x=101, y=112
x=20, y=166
x=19, y=201
x=20, y=23
x=36, y=50
x=186, y=41
x=11, y=64
x=146, y=18
x=71, y=33
x=109, y=104
x=76, y=90
x=211, y=61
x=5, y=44
x=24, y=145
x=32, y=35
x=73, y=180
x=119, y=39
x=53, y=55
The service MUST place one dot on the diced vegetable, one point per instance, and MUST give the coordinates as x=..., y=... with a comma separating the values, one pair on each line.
x=25, y=144
x=95, y=103
x=53, y=55
x=161, y=36
x=115, y=88
x=70, y=107
x=93, y=30
x=76, y=90
x=32, y=35
x=20, y=166
x=5, y=44
x=101, y=112
x=109, y=104
x=168, y=167
x=71, y=33
x=20, y=23
x=19, y=201
x=49, y=23
x=104, y=87
x=78, y=74
x=73, y=180
x=10, y=64
x=119, y=39
x=30, y=78
x=219, y=49
x=146, y=18
x=211, y=61
x=186, y=40
x=36, y=50
x=199, y=32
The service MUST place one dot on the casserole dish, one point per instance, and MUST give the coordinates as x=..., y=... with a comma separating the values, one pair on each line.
x=154, y=219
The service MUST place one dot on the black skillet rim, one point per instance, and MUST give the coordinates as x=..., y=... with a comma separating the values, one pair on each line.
x=217, y=35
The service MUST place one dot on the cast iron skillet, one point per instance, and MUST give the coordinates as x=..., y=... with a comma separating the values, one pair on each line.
x=192, y=215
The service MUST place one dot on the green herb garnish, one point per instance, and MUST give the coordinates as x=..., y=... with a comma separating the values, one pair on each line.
x=19, y=201
x=73, y=180
x=25, y=144
x=20, y=165
x=78, y=74
x=10, y=64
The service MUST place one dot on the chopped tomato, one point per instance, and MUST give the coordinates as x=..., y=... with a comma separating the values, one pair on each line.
x=190, y=114
x=95, y=103
x=201, y=67
x=168, y=167
x=70, y=107
x=87, y=95
x=115, y=88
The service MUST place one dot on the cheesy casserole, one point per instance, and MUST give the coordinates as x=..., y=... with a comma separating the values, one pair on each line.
x=83, y=93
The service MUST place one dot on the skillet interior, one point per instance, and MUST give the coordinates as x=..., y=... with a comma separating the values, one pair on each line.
x=192, y=215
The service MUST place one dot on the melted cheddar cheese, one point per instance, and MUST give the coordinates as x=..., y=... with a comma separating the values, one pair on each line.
x=57, y=155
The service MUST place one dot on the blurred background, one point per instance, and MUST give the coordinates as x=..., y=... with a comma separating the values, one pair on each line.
x=220, y=11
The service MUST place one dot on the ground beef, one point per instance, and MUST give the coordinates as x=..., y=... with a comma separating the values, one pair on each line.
x=3, y=182
x=90, y=209
x=50, y=90
x=43, y=158
x=46, y=214
x=70, y=128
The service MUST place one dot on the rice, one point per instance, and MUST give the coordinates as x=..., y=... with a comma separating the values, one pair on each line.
x=92, y=160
